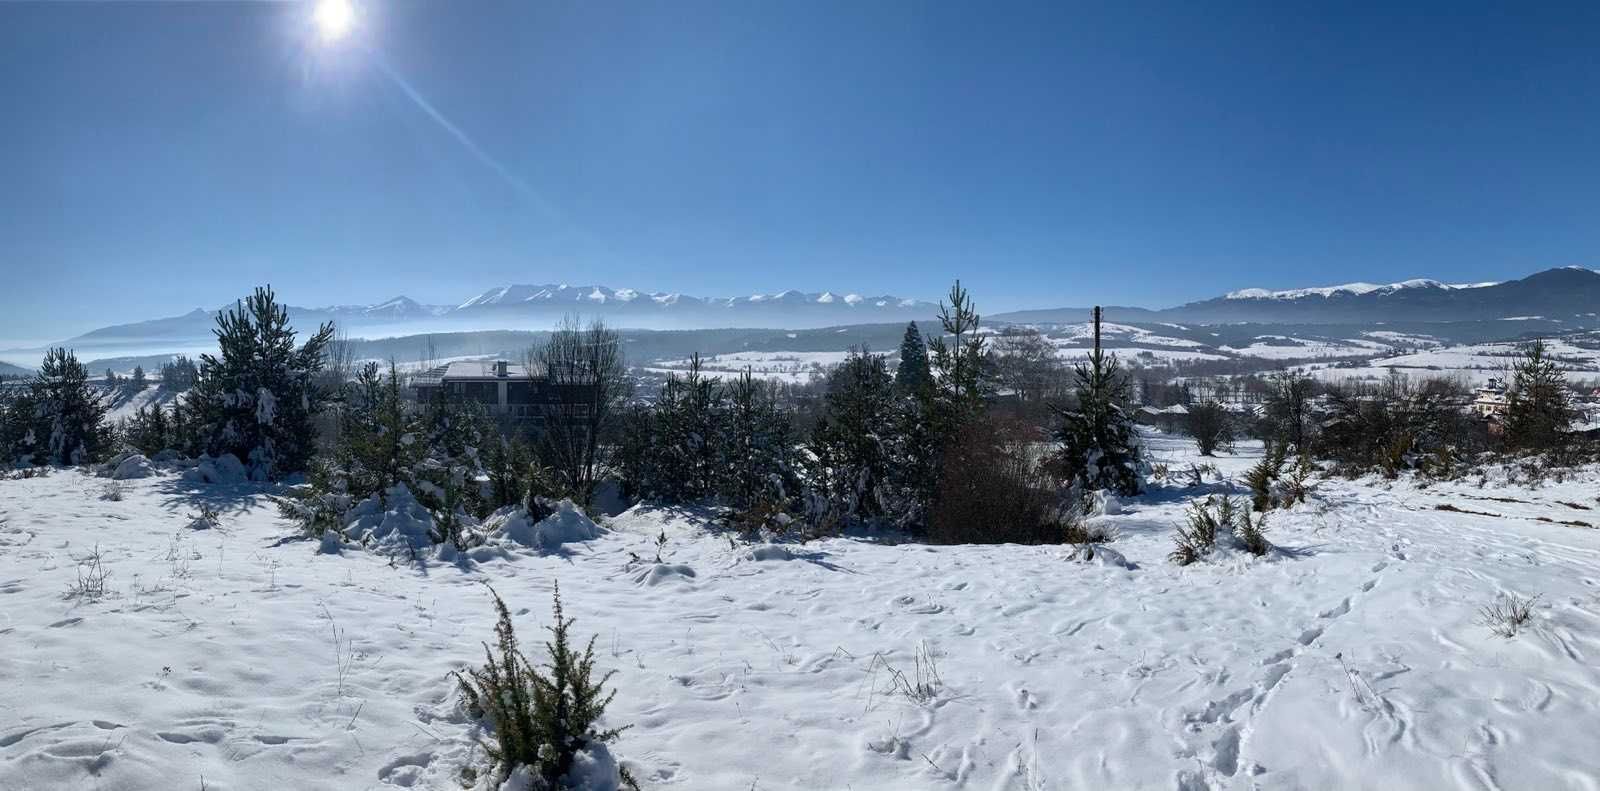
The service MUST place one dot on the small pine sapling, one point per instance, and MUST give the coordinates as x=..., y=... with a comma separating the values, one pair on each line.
x=208, y=518
x=1297, y=484
x=1198, y=536
x=1252, y=534
x=1261, y=477
x=542, y=717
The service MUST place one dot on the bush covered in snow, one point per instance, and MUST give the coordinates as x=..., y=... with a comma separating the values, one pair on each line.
x=548, y=530
x=1212, y=519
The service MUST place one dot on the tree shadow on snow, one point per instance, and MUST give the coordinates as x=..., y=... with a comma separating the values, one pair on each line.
x=226, y=498
x=1296, y=553
x=818, y=558
x=1177, y=493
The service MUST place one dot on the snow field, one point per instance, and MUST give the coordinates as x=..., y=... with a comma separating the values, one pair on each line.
x=1353, y=658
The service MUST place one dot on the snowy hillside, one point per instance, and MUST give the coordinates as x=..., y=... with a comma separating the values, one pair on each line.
x=1352, y=657
x=1578, y=357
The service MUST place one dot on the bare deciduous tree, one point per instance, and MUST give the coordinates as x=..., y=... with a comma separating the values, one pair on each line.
x=1025, y=361
x=585, y=368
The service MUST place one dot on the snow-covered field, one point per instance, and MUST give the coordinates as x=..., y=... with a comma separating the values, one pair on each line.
x=239, y=658
x=790, y=367
x=1474, y=363
x=1279, y=347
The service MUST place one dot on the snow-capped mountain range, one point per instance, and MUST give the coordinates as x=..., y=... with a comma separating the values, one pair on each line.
x=539, y=307
x=1356, y=289
x=1568, y=297
x=591, y=296
x=1559, y=294
x=1554, y=293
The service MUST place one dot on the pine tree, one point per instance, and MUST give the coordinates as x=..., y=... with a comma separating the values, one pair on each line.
x=757, y=447
x=923, y=424
x=147, y=431
x=137, y=382
x=848, y=443
x=380, y=442
x=69, y=420
x=913, y=376
x=959, y=362
x=637, y=452
x=507, y=461
x=178, y=375
x=17, y=422
x=1539, y=408
x=453, y=432
x=1100, y=448
x=916, y=453
x=688, y=434
x=183, y=430
x=257, y=398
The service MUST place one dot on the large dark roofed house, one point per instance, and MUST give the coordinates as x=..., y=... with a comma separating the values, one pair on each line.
x=505, y=389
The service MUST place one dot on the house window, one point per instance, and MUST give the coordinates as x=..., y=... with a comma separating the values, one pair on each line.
x=481, y=392
x=519, y=393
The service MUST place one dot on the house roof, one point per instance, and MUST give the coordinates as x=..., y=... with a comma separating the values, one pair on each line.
x=468, y=370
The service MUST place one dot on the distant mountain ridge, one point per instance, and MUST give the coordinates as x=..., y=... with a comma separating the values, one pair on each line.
x=1568, y=295
x=1565, y=294
x=526, y=306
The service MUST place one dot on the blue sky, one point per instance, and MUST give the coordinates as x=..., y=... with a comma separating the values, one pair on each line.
x=160, y=156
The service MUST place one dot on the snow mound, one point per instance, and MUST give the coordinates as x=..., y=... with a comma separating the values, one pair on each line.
x=769, y=552
x=658, y=573
x=594, y=769
x=135, y=466
x=1104, y=503
x=222, y=469
x=395, y=520
x=568, y=524
x=1098, y=555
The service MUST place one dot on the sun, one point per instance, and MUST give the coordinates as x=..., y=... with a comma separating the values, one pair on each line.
x=334, y=19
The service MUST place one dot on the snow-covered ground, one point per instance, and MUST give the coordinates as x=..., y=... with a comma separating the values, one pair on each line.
x=1474, y=363
x=239, y=658
x=791, y=367
x=122, y=404
x=1071, y=354
x=1279, y=347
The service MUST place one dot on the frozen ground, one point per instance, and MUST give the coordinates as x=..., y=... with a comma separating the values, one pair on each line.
x=236, y=659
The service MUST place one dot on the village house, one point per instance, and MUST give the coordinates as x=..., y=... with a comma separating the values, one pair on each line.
x=1491, y=401
x=506, y=390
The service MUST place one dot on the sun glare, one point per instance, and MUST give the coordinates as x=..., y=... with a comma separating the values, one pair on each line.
x=334, y=18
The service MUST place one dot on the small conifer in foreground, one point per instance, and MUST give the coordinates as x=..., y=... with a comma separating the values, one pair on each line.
x=542, y=718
